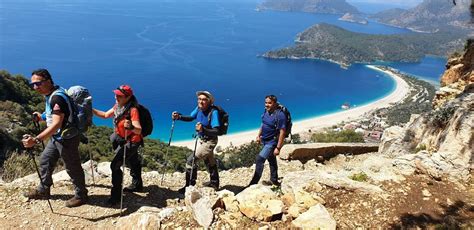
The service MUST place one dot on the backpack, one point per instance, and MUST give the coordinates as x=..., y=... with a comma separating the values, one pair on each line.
x=289, y=123
x=223, y=119
x=82, y=100
x=146, y=120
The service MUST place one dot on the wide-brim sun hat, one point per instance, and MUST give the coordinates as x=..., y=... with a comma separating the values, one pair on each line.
x=207, y=94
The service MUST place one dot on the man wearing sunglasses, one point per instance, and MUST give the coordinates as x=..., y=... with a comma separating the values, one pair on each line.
x=58, y=117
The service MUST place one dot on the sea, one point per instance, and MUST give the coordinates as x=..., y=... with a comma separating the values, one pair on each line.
x=166, y=50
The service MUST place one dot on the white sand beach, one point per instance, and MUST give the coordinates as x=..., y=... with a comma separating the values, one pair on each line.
x=401, y=91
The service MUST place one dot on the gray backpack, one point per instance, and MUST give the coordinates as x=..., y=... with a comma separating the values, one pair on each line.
x=83, y=101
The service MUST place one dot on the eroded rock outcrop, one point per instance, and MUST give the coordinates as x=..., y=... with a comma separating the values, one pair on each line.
x=440, y=143
x=459, y=74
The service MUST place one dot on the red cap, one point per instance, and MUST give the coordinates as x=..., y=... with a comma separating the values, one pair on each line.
x=124, y=90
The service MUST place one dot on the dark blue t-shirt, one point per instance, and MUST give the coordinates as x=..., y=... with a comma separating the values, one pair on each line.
x=271, y=124
x=202, y=117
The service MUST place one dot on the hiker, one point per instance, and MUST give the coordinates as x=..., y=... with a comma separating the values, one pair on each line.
x=127, y=137
x=207, y=128
x=64, y=141
x=271, y=135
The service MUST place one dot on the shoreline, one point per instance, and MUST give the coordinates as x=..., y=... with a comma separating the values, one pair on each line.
x=318, y=122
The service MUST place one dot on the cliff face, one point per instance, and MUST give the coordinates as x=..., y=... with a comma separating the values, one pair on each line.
x=430, y=15
x=311, y=6
x=459, y=75
x=441, y=142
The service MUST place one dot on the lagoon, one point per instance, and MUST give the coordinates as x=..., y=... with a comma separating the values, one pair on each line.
x=167, y=50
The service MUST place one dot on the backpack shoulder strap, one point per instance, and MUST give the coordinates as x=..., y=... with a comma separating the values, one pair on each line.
x=62, y=93
x=209, y=116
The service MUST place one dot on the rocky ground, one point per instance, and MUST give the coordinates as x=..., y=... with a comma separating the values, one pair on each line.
x=385, y=198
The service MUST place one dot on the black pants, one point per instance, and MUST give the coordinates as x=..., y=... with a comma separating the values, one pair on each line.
x=132, y=160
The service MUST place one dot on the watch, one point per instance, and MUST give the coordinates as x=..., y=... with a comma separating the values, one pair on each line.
x=37, y=141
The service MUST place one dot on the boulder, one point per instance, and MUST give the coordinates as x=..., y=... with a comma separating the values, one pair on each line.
x=390, y=136
x=317, y=217
x=294, y=211
x=305, y=200
x=297, y=181
x=229, y=200
x=200, y=206
x=166, y=212
x=288, y=199
x=144, y=218
x=259, y=203
x=231, y=219
x=334, y=181
x=103, y=169
x=324, y=150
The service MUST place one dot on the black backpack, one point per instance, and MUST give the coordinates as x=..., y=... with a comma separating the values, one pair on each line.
x=289, y=123
x=223, y=119
x=146, y=120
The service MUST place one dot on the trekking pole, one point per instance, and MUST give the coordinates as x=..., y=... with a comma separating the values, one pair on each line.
x=30, y=152
x=194, y=156
x=38, y=131
x=123, y=170
x=167, y=149
x=37, y=127
x=92, y=168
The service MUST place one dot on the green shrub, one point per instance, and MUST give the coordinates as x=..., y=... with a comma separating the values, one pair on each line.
x=361, y=177
x=420, y=148
x=441, y=116
x=242, y=156
x=469, y=41
x=333, y=136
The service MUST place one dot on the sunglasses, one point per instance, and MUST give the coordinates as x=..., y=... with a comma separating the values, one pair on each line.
x=37, y=84
x=123, y=91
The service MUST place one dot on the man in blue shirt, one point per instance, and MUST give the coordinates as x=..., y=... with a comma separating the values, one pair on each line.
x=207, y=128
x=271, y=135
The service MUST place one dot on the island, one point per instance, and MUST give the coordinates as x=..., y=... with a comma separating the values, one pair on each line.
x=332, y=43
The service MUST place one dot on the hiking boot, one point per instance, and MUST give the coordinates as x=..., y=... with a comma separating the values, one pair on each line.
x=133, y=188
x=271, y=183
x=113, y=201
x=182, y=190
x=37, y=195
x=76, y=202
x=211, y=184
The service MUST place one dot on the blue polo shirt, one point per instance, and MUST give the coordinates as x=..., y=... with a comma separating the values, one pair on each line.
x=202, y=117
x=271, y=124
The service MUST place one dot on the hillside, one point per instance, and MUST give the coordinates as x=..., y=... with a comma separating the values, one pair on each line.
x=310, y=6
x=430, y=15
x=329, y=42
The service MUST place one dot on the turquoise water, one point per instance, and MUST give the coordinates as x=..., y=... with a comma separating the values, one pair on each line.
x=167, y=50
x=429, y=68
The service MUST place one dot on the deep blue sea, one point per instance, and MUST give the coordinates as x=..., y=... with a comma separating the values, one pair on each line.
x=167, y=50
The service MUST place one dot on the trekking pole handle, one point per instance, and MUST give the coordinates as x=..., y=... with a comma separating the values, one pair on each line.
x=37, y=125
